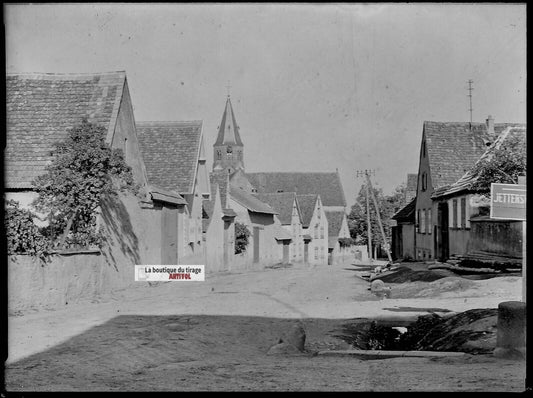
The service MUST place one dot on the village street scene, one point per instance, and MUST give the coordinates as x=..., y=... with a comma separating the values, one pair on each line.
x=265, y=197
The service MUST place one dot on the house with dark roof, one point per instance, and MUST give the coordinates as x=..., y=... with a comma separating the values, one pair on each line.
x=174, y=156
x=447, y=151
x=314, y=228
x=40, y=109
x=403, y=233
x=472, y=233
x=289, y=217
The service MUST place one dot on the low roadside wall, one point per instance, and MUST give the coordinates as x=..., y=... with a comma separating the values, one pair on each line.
x=34, y=285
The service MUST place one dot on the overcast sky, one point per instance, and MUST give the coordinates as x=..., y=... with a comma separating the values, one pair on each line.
x=314, y=87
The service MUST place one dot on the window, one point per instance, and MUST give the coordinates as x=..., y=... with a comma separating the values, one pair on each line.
x=316, y=253
x=322, y=232
x=423, y=221
x=454, y=221
x=219, y=154
x=429, y=221
x=417, y=221
x=316, y=231
x=424, y=149
x=322, y=252
x=463, y=213
x=424, y=181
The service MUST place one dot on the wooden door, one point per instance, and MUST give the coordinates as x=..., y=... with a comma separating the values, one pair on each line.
x=442, y=244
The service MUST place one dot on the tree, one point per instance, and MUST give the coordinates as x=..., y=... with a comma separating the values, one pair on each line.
x=503, y=165
x=388, y=205
x=242, y=235
x=80, y=175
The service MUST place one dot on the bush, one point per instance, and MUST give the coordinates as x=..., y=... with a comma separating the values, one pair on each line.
x=23, y=236
x=242, y=235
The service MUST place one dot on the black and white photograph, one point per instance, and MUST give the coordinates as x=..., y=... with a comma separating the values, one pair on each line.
x=266, y=197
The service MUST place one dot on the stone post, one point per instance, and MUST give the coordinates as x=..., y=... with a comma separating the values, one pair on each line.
x=511, y=332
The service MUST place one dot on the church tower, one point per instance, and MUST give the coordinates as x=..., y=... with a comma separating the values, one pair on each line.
x=228, y=148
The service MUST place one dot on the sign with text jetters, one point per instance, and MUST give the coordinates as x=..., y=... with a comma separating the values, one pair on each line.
x=152, y=273
x=508, y=201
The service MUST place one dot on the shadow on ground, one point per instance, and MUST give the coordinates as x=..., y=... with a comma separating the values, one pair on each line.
x=229, y=353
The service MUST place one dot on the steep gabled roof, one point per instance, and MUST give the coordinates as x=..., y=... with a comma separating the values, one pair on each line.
x=307, y=204
x=250, y=202
x=326, y=184
x=465, y=182
x=40, y=107
x=228, y=131
x=334, y=218
x=282, y=203
x=453, y=148
x=406, y=213
x=170, y=152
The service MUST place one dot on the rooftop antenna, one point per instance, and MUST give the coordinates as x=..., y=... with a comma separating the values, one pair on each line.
x=470, y=89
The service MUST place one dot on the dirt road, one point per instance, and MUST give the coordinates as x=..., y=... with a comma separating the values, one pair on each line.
x=214, y=335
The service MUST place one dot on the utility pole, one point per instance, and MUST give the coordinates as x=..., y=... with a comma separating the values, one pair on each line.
x=385, y=244
x=361, y=173
x=470, y=89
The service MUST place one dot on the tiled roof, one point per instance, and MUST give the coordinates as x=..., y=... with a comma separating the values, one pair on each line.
x=326, y=184
x=406, y=213
x=170, y=152
x=282, y=203
x=40, y=107
x=335, y=218
x=307, y=207
x=158, y=193
x=454, y=147
x=464, y=183
x=281, y=233
x=250, y=202
x=228, y=131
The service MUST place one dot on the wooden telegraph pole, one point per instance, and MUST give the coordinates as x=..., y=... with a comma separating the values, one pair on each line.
x=370, y=191
x=361, y=173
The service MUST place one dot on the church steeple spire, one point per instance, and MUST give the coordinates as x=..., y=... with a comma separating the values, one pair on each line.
x=228, y=148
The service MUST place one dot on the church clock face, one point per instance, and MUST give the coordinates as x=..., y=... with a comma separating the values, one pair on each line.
x=229, y=149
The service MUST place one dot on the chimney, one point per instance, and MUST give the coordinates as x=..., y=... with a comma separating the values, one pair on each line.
x=490, y=125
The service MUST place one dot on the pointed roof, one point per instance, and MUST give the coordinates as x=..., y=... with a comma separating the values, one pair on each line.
x=228, y=132
x=326, y=184
x=40, y=107
x=170, y=151
x=281, y=203
x=335, y=219
x=307, y=207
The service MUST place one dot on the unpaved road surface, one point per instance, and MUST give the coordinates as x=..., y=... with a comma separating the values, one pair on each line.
x=214, y=335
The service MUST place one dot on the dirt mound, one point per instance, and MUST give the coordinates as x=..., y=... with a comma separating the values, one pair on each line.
x=406, y=274
x=472, y=331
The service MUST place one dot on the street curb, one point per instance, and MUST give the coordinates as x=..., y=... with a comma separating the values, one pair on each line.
x=370, y=354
